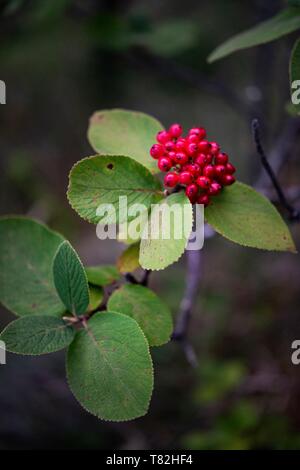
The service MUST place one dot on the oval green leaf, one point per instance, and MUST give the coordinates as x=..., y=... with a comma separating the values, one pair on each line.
x=151, y=313
x=122, y=132
x=102, y=180
x=70, y=279
x=102, y=275
x=244, y=216
x=131, y=232
x=163, y=241
x=170, y=38
x=129, y=260
x=27, y=249
x=37, y=334
x=283, y=23
x=109, y=368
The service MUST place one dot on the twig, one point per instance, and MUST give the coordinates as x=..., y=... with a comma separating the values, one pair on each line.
x=294, y=214
x=281, y=151
x=131, y=279
x=193, y=277
x=145, y=279
x=143, y=282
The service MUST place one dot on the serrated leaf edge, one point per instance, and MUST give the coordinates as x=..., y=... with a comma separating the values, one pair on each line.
x=152, y=376
x=180, y=255
x=50, y=230
x=42, y=353
x=92, y=118
x=81, y=264
x=293, y=248
x=159, y=192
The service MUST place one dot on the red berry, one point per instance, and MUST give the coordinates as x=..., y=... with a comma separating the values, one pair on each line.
x=192, y=149
x=192, y=139
x=175, y=130
x=227, y=180
x=197, y=164
x=214, y=189
x=180, y=158
x=204, y=147
x=185, y=177
x=193, y=168
x=163, y=137
x=157, y=151
x=219, y=170
x=164, y=163
x=171, y=179
x=172, y=155
x=203, y=182
x=191, y=191
x=201, y=159
x=230, y=169
x=169, y=146
x=214, y=148
x=180, y=145
x=221, y=158
x=208, y=171
x=199, y=131
x=203, y=199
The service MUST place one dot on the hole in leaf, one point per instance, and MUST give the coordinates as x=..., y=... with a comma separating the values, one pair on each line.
x=110, y=166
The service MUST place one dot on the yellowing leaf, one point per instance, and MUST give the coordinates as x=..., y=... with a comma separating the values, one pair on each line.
x=123, y=132
x=129, y=259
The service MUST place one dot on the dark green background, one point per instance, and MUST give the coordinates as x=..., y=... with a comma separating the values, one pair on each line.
x=61, y=60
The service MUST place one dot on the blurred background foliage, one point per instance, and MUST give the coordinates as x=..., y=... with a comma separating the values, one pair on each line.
x=63, y=59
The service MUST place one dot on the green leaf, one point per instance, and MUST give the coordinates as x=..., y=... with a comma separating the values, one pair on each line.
x=122, y=132
x=96, y=297
x=27, y=249
x=131, y=232
x=37, y=334
x=159, y=250
x=295, y=73
x=246, y=217
x=70, y=279
x=102, y=275
x=129, y=259
x=283, y=23
x=109, y=368
x=170, y=38
x=103, y=179
x=151, y=313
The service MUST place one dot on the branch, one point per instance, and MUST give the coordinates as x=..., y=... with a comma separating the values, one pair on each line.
x=193, y=276
x=294, y=213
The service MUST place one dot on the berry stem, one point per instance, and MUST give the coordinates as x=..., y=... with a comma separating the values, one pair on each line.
x=294, y=214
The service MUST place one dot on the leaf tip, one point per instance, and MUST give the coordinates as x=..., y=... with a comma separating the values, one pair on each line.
x=210, y=59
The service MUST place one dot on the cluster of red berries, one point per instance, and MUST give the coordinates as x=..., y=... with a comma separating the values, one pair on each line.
x=197, y=164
